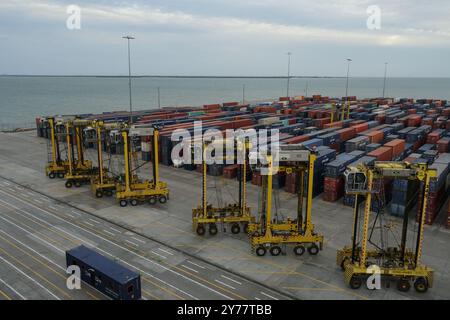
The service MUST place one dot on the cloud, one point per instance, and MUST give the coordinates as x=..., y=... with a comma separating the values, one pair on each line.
x=141, y=15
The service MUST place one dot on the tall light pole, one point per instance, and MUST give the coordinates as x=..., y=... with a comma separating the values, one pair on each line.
x=288, y=73
x=129, y=75
x=384, y=81
x=243, y=94
x=346, y=89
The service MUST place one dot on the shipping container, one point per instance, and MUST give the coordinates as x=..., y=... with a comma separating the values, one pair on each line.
x=104, y=274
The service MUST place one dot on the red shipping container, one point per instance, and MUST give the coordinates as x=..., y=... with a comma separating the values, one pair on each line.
x=414, y=120
x=333, y=189
x=337, y=124
x=381, y=118
x=297, y=139
x=256, y=178
x=375, y=136
x=443, y=145
x=319, y=123
x=347, y=133
x=382, y=154
x=230, y=104
x=230, y=172
x=397, y=145
x=433, y=137
x=291, y=183
x=360, y=127
x=211, y=106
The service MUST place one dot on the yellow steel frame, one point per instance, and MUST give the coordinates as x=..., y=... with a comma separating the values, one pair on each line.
x=102, y=182
x=413, y=267
x=55, y=166
x=207, y=214
x=300, y=232
x=141, y=191
x=79, y=169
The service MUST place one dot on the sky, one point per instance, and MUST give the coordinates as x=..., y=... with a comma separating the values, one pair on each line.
x=227, y=37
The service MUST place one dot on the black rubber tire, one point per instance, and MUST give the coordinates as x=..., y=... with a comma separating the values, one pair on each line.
x=134, y=202
x=275, y=251
x=201, y=230
x=123, y=203
x=213, y=229
x=77, y=184
x=355, y=282
x=246, y=228
x=60, y=175
x=52, y=175
x=152, y=200
x=260, y=251
x=235, y=228
x=299, y=250
x=313, y=249
x=68, y=184
x=99, y=193
x=162, y=199
x=403, y=285
x=421, y=285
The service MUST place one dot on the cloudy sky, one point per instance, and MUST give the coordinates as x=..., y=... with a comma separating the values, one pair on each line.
x=226, y=37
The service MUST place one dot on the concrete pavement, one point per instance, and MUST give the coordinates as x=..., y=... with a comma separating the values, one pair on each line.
x=22, y=159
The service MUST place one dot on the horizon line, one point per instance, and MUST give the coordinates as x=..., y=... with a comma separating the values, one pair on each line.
x=210, y=76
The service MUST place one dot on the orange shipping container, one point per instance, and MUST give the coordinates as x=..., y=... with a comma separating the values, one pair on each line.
x=382, y=154
x=375, y=136
x=397, y=145
x=361, y=127
x=297, y=139
x=347, y=133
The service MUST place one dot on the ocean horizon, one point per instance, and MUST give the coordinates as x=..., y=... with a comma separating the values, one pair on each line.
x=24, y=97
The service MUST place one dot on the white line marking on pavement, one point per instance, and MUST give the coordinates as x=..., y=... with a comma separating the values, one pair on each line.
x=138, y=240
x=232, y=280
x=74, y=212
x=256, y=298
x=194, y=264
x=126, y=249
x=268, y=295
x=94, y=246
x=31, y=249
x=32, y=234
x=110, y=233
x=88, y=223
x=133, y=243
x=165, y=251
x=49, y=260
x=6, y=183
x=160, y=255
x=75, y=237
x=95, y=221
x=13, y=290
x=38, y=201
x=113, y=229
x=224, y=284
x=25, y=195
x=184, y=266
x=30, y=278
x=68, y=214
x=52, y=207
